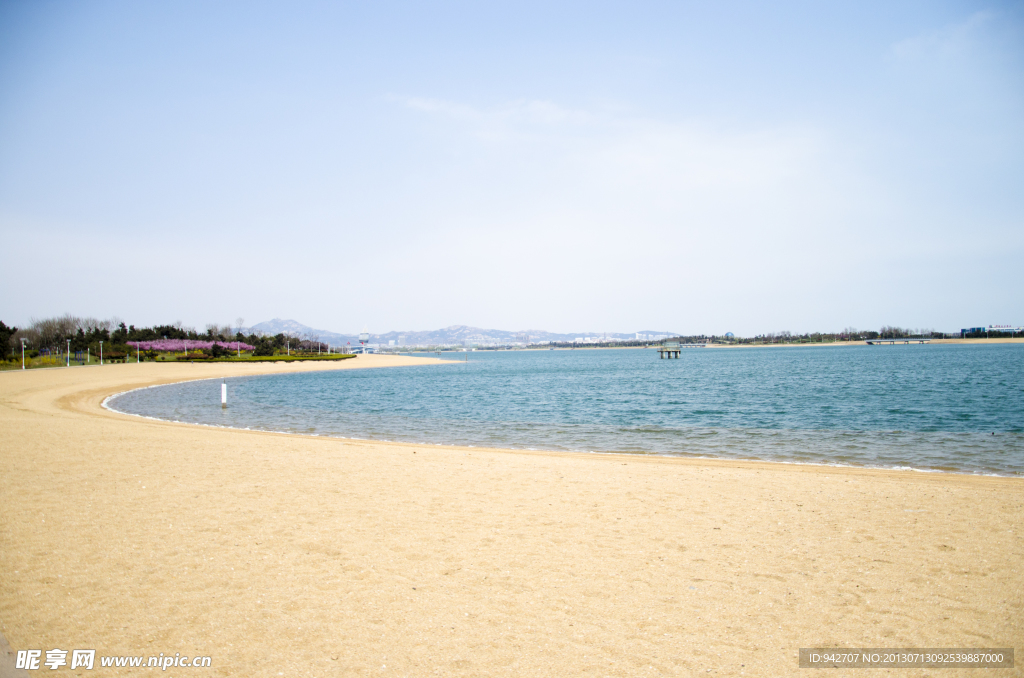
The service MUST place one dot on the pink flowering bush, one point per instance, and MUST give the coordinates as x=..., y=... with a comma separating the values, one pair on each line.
x=175, y=345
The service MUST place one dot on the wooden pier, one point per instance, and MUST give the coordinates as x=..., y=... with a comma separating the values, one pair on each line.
x=891, y=342
x=672, y=349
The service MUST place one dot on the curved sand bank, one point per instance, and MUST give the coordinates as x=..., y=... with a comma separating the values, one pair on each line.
x=300, y=556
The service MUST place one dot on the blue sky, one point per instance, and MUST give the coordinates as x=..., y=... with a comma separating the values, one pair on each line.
x=696, y=167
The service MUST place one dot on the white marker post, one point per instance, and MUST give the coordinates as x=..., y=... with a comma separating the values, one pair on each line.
x=223, y=394
x=23, y=353
x=69, y=353
x=101, y=353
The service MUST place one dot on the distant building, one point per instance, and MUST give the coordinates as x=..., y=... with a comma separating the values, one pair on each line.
x=991, y=328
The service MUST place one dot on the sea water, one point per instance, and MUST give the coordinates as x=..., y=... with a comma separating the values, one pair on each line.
x=928, y=407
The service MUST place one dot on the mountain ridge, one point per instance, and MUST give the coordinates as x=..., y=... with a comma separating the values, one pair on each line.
x=451, y=335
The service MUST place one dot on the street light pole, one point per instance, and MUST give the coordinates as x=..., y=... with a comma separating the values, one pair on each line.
x=101, y=352
x=69, y=353
x=22, y=353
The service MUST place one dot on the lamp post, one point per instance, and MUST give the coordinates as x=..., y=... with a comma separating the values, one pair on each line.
x=23, y=352
x=69, y=353
x=101, y=352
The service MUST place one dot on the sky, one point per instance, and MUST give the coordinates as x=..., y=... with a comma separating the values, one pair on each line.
x=691, y=167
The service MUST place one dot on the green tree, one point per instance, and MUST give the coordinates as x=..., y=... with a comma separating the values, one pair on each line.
x=120, y=335
x=264, y=346
x=79, y=342
x=5, y=339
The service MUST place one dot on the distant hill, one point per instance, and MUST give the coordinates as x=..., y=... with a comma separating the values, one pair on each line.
x=293, y=328
x=456, y=335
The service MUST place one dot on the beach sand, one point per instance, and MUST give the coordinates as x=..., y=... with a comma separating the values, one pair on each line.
x=302, y=556
x=993, y=340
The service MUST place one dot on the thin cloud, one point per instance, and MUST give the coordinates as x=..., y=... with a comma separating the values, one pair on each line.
x=619, y=152
x=506, y=121
x=953, y=41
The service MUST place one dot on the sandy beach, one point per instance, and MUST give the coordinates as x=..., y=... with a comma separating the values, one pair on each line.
x=286, y=555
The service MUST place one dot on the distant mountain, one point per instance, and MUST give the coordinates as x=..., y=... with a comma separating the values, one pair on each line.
x=456, y=335
x=297, y=329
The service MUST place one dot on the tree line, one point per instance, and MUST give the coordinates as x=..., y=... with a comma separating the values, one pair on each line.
x=53, y=334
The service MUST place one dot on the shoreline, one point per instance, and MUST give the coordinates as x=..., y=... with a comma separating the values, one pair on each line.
x=312, y=555
x=105, y=404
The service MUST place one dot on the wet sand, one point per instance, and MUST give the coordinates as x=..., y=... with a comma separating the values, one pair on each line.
x=303, y=556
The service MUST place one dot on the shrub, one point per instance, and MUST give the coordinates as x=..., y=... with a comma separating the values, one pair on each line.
x=263, y=348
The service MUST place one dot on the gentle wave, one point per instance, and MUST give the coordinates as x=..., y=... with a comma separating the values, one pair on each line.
x=854, y=407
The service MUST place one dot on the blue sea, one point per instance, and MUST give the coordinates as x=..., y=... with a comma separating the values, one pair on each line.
x=956, y=408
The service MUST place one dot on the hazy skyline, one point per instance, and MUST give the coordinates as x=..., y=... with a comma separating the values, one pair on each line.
x=568, y=167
